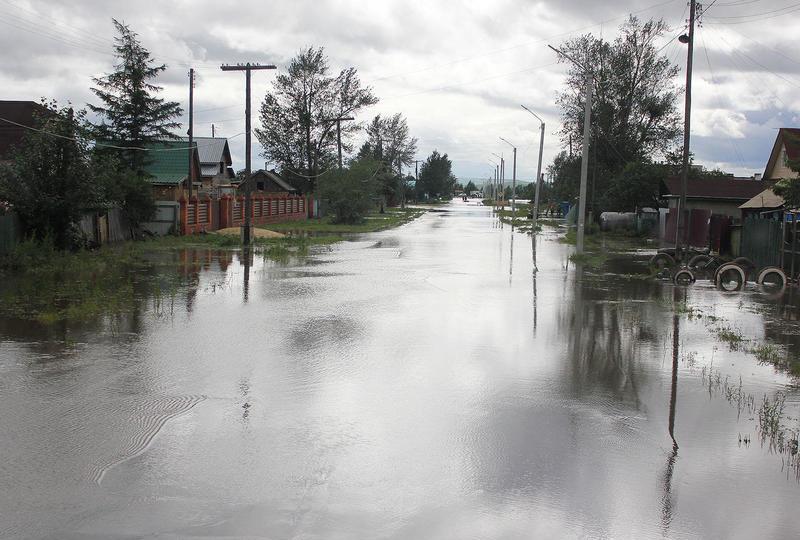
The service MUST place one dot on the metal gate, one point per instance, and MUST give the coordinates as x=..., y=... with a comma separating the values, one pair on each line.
x=761, y=241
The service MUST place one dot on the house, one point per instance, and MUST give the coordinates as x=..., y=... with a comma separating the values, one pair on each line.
x=14, y=116
x=214, y=155
x=168, y=168
x=271, y=182
x=719, y=195
x=786, y=148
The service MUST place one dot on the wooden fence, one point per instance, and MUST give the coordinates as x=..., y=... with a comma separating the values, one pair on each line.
x=206, y=214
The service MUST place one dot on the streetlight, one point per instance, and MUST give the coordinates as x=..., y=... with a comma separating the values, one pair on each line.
x=513, y=183
x=587, y=122
x=496, y=169
x=501, y=175
x=535, y=212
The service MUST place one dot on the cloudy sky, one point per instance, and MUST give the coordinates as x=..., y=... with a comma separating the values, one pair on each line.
x=457, y=70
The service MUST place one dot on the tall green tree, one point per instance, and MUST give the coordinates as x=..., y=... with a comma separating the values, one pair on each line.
x=389, y=144
x=52, y=180
x=298, y=132
x=351, y=192
x=635, y=112
x=132, y=114
x=436, y=177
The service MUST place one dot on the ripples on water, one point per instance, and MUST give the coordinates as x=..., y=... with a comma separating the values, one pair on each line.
x=448, y=392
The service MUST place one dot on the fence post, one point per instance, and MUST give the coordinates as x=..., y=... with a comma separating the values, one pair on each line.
x=184, y=214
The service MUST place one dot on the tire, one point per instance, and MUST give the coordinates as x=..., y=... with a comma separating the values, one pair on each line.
x=746, y=264
x=699, y=262
x=773, y=278
x=661, y=261
x=683, y=277
x=730, y=277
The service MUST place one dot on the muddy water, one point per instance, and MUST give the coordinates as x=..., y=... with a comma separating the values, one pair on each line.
x=422, y=382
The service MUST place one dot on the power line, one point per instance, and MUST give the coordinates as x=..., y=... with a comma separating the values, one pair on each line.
x=513, y=47
x=711, y=71
x=718, y=22
x=791, y=6
x=105, y=145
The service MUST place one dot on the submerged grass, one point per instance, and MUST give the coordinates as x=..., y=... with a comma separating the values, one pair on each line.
x=39, y=283
x=393, y=217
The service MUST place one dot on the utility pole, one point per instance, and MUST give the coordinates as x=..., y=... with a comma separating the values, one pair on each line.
x=587, y=119
x=500, y=172
x=191, y=131
x=247, y=68
x=339, y=120
x=513, y=183
x=587, y=122
x=535, y=212
x=686, y=127
x=416, y=176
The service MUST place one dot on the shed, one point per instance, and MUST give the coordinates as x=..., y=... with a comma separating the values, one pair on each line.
x=271, y=182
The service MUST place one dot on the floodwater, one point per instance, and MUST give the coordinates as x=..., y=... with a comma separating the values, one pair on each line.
x=422, y=382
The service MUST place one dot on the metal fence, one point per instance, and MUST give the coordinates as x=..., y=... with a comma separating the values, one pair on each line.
x=9, y=233
x=762, y=241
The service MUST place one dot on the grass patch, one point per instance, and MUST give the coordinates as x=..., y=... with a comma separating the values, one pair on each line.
x=41, y=284
x=394, y=217
x=591, y=260
x=731, y=336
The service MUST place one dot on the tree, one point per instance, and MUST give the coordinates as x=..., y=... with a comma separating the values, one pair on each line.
x=298, y=131
x=634, y=104
x=389, y=143
x=435, y=176
x=470, y=187
x=789, y=188
x=565, y=172
x=351, y=192
x=52, y=181
x=131, y=111
x=636, y=186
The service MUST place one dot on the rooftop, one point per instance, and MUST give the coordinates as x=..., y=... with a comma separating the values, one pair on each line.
x=724, y=188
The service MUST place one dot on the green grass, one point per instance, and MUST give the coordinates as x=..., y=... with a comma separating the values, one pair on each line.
x=39, y=283
x=375, y=221
x=591, y=260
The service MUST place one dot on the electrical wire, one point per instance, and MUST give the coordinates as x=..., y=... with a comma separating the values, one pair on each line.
x=528, y=44
x=105, y=145
x=791, y=6
x=713, y=80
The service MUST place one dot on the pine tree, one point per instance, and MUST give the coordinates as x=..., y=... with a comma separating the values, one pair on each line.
x=132, y=113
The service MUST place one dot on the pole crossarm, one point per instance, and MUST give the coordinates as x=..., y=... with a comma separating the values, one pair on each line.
x=246, y=67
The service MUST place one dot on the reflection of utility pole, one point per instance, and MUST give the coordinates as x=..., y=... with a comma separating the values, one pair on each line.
x=191, y=124
x=587, y=119
x=686, y=126
x=247, y=68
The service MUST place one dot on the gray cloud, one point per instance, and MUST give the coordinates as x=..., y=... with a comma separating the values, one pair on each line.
x=440, y=64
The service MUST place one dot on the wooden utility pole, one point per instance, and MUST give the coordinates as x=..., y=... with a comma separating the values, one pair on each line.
x=191, y=131
x=687, y=115
x=247, y=68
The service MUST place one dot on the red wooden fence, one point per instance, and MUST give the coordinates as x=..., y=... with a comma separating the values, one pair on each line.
x=206, y=214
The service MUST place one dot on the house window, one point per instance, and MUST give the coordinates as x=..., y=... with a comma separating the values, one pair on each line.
x=784, y=157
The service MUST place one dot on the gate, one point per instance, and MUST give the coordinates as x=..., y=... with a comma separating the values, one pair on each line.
x=761, y=241
x=9, y=233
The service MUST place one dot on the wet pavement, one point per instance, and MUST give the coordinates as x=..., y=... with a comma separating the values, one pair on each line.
x=422, y=382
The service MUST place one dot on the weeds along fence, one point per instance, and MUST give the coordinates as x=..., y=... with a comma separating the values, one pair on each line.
x=9, y=233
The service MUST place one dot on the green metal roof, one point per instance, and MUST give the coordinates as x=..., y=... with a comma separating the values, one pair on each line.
x=168, y=161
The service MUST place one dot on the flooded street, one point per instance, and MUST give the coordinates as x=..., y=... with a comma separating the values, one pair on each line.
x=422, y=382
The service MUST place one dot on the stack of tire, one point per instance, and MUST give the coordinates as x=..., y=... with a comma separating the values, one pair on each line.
x=729, y=276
